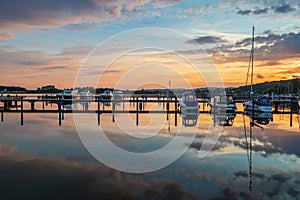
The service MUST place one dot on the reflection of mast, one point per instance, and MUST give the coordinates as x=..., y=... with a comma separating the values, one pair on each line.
x=249, y=151
x=250, y=160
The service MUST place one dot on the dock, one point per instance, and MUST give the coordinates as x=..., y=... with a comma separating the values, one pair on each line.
x=40, y=104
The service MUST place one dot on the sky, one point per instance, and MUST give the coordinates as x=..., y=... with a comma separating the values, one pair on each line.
x=49, y=42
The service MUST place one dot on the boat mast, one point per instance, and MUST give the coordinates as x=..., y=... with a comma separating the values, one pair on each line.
x=252, y=60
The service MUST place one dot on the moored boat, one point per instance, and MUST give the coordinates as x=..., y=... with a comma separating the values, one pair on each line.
x=225, y=104
x=259, y=104
x=66, y=96
x=189, y=103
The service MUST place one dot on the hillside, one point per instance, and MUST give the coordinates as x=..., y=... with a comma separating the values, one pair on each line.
x=279, y=87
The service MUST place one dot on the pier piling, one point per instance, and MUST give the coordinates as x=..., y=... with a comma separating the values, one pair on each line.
x=22, y=110
x=113, y=111
x=176, y=111
x=59, y=112
x=98, y=111
x=32, y=105
x=43, y=102
x=137, y=112
x=291, y=113
x=214, y=110
x=168, y=108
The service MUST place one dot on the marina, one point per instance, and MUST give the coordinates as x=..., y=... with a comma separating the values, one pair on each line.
x=150, y=100
x=133, y=105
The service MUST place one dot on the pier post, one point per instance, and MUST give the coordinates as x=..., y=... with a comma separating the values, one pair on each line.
x=113, y=110
x=5, y=105
x=252, y=121
x=98, y=111
x=291, y=113
x=46, y=97
x=59, y=111
x=63, y=113
x=276, y=107
x=175, y=110
x=168, y=108
x=43, y=102
x=137, y=111
x=22, y=117
x=214, y=110
x=32, y=105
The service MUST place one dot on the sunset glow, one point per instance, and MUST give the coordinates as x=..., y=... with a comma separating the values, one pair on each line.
x=46, y=42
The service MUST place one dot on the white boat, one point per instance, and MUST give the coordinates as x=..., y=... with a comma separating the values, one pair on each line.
x=106, y=95
x=225, y=104
x=66, y=96
x=189, y=103
x=263, y=118
x=261, y=104
x=117, y=96
x=84, y=95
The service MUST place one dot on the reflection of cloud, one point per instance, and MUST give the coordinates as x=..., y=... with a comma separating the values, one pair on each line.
x=279, y=185
x=245, y=174
x=61, y=179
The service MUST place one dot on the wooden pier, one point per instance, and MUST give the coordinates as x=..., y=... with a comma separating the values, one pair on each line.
x=16, y=104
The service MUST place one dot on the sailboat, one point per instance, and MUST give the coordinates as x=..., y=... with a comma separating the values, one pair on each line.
x=258, y=104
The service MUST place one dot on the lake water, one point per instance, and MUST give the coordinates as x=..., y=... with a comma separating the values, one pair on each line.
x=42, y=160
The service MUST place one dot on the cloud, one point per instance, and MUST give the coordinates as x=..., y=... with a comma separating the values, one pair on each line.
x=6, y=35
x=207, y=40
x=285, y=8
x=165, y=3
x=244, y=12
x=271, y=49
x=80, y=27
x=260, y=11
x=259, y=76
x=31, y=14
x=48, y=68
x=33, y=62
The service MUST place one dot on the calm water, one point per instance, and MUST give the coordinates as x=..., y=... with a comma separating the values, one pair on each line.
x=41, y=160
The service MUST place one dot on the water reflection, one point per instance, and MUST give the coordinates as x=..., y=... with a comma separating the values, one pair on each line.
x=189, y=119
x=53, y=157
x=262, y=118
x=67, y=106
x=225, y=119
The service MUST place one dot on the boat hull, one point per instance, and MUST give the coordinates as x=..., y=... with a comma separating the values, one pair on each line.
x=257, y=108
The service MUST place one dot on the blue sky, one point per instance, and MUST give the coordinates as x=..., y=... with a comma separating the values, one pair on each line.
x=51, y=38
